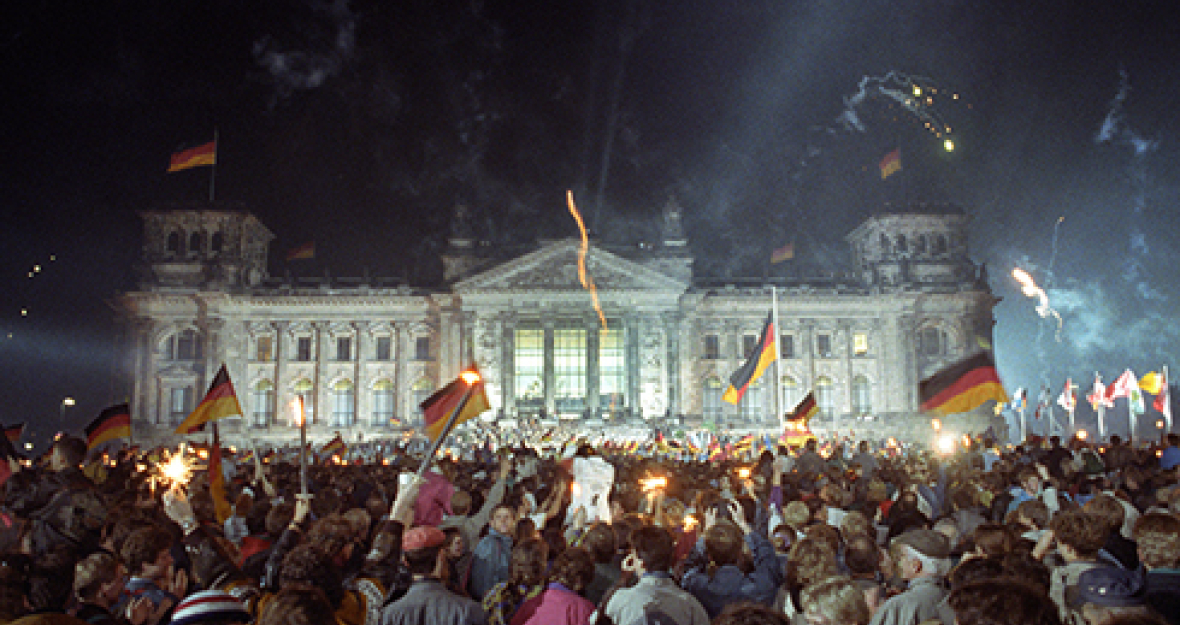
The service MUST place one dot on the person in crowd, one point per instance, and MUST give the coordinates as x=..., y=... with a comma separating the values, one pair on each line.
x=1033, y=485
x=1079, y=538
x=50, y=585
x=600, y=541
x=835, y=601
x=60, y=502
x=921, y=559
x=530, y=560
x=809, y=561
x=428, y=602
x=470, y=524
x=715, y=573
x=147, y=554
x=655, y=594
x=1002, y=601
x=746, y=613
x=99, y=579
x=561, y=603
x=298, y=607
x=1107, y=510
x=211, y=607
x=1105, y=593
x=1157, y=540
x=491, y=561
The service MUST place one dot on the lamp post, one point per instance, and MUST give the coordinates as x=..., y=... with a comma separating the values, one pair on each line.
x=66, y=402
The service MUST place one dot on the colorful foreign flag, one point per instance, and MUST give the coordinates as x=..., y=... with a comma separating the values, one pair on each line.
x=438, y=406
x=1123, y=386
x=193, y=157
x=963, y=386
x=221, y=401
x=112, y=423
x=1151, y=382
x=755, y=365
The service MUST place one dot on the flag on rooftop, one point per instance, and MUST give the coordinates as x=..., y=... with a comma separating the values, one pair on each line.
x=784, y=253
x=302, y=252
x=193, y=157
x=963, y=386
x=111, y=423
x=757, y=362
x=221, y=401
x=438, y=406
x=890, y=164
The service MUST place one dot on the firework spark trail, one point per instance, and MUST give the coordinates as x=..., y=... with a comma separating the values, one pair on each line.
x=913, y=93
x=1115, y=131
x=1030, y=289
x=587, y=281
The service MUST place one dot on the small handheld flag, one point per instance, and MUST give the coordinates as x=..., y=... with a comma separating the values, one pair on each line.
x=112, y=423
x=437, y=407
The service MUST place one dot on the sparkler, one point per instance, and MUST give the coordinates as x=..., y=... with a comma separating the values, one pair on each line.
x=689, y=523
x=744, y=473
x=649, y=484
x=1030, y=289
x=587, y=281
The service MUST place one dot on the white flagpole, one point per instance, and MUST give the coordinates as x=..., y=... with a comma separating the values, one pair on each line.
x=1167, y=400
x=778, y=359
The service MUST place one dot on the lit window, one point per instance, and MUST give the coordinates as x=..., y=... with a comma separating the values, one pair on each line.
x=343, y=404
x=612, y=371
x=825, y=396
x=861, y=396
x=860, y=344
x=382, y=403
x=528, y=360
x=569, y=369
x=263, y=404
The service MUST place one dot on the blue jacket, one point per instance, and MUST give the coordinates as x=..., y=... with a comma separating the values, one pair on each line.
x=491, y=563
x=728, y=583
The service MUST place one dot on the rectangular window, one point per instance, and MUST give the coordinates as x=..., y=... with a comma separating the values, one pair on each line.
x=303, y=349
x=749, y=344
x=787, y=346
x=422, y=348
x=569, y=368
x=383, y=404
x=384, y=348
x=712, y=347
x=612, y=371
x=180, y=404
x=528, y=359
x=823, y=345
x=264, y=405
x=344, y=349
x=343, y=407
x=860, y=344
x=264, y=349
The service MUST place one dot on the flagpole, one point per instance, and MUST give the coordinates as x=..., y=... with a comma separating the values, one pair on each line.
x=1023, y=423
x=213, y=170
x=1167, y=407
x=434, y=447
x=778, y=361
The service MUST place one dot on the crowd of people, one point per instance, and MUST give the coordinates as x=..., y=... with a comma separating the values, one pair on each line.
x=1032, y=535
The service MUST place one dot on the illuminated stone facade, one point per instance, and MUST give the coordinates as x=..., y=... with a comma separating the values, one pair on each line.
x=364, y=352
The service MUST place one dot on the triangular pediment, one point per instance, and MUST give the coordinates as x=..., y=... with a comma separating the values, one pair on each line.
x=554, y=267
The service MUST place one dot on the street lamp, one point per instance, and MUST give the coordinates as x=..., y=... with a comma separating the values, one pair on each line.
x=61, y=414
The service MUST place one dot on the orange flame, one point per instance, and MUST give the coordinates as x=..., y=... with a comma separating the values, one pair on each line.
x=587, y=281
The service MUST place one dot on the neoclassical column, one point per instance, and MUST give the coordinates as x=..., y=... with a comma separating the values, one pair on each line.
x=629, y=329
x=281, y=348
x=400, y=339
x=593, y=366
x=672, y=337
x=361, y=398
x=321, y=332
x=549, y=377
x=508, y=368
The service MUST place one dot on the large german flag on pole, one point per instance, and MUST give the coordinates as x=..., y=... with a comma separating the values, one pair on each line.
x=221, y=401
x=112, y=423
x=963, y=386
x=759, y=360
x=438, y=406
x=193, y=157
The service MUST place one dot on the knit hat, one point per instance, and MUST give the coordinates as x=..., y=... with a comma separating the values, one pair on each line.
x=1111, y=587
x=926, y=542
x=207, y=605
x=422, y=537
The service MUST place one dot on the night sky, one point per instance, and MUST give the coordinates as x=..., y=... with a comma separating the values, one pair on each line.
x=361, y=124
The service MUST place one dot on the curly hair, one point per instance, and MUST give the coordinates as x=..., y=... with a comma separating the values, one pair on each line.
x=574, y=569
x=835, y=601
x=143, y=546
x=298, y=606
x=306, y=566
x=92, y=572
x=1108, y=510
x=1002, y=602
x=332, y=534
x=809, y=561
x=1158, y=537
x=747, y=613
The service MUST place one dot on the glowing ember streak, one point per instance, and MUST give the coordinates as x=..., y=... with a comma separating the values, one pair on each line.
x=653, y=483
x=587, y=281
x=1030, y=289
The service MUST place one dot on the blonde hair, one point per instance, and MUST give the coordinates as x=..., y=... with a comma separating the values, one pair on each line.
x=835, y=601
x=796, y=514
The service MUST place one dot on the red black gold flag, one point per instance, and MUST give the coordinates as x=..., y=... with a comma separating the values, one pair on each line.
x=805, y=410
x=193, y=157
x=756, y=364
x=221, y=401
x=963, y=386
x=891, y=164
x=438, y=406
x=303, y=252
x=112, y=423
x=784, y=253
x=334, y=446
x=13, y=432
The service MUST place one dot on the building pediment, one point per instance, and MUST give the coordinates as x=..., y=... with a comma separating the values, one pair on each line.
x=554, y=267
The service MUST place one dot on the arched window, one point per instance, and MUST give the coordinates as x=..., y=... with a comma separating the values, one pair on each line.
x=216, y=242
x=711, y=410
x=939, y=245
x=173, y=245
x=791, y=394
x=184, y=345
x=306, y=390
x=932, y=341
x=382, y=404
x=343, y=404
x=920, y=244
x=263, y=403
x=196, y=242
x=901, y=245
x=825, y=396
x=752, y=407
x=418, y=394
x=862, y=402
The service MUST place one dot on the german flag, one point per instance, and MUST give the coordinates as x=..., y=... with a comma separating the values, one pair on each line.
x=963, y=386
x=13, y=432
x=221, y=401
x=805, y=410
x=757, y=363
x=334, y=446
x=112, y=423
x=890, y=164
x=193, y=157
x=439, y=406
x=303, y=252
